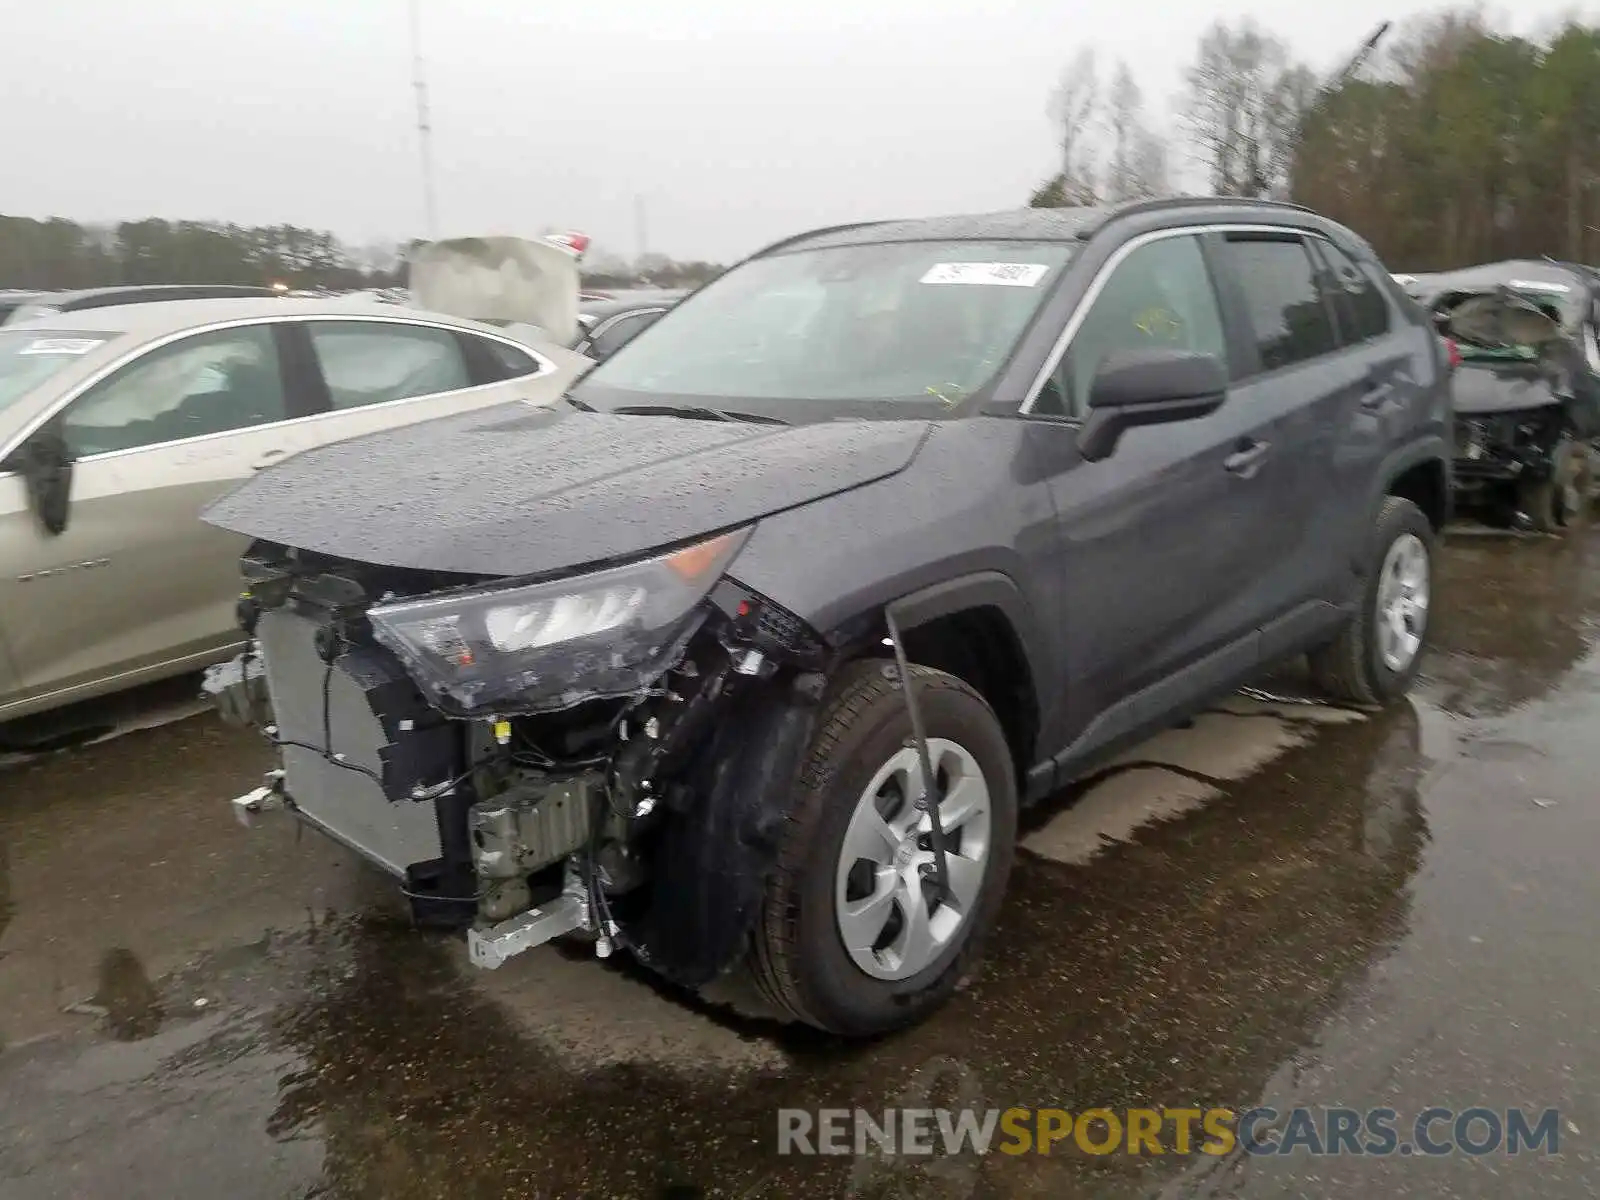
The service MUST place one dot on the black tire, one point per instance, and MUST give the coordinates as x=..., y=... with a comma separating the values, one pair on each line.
x=1555, y=504
x=1351, y=668
x=797, y=958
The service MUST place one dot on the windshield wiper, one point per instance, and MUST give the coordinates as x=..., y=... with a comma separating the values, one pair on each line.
x=695, y=412
x=576, y=403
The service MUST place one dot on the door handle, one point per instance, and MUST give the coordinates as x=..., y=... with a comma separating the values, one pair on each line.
x=1380, y=387
x=1377, y=396
x=1244, y=461
x=267, y=459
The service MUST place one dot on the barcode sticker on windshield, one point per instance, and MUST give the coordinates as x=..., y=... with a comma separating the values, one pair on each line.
x=995, y=274
x=59, y=346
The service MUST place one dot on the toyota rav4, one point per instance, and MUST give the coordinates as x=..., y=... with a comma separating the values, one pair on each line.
x=743, y=657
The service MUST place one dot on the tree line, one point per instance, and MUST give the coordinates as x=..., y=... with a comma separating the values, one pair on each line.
x=55, y=254
x=1456, y=142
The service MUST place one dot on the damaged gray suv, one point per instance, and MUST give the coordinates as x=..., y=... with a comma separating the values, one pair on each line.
x=743, y=657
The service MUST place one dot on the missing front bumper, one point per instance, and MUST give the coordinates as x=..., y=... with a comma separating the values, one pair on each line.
x=490, y=947
x=1504, y=447
x=367, y=764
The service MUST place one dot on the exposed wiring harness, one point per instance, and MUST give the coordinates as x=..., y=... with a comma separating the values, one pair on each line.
x=606, y=926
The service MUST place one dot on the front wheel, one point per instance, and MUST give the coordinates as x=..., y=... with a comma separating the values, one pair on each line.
x=1379, y=650
x=854, y=937
x=1554, y=504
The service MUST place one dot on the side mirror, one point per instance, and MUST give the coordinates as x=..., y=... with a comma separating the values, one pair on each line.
x=1148, y=387
x=45, y=465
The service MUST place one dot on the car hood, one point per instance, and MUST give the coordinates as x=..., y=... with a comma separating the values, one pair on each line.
x=515, y=490
x=500, y=280
x=1494, y=387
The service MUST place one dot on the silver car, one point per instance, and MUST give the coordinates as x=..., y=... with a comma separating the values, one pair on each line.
x=118, y=425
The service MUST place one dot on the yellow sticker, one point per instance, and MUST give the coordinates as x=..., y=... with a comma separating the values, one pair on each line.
x=1158, y=323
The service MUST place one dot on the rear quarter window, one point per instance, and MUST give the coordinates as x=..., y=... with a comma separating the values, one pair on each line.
x=503, y=360
x=1362, y=307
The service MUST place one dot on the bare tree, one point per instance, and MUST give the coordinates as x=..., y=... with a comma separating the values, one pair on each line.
x=1123, y=109
x=1242, y=106
x=1150, y=171
x=1075, y=108
x=1137, y=167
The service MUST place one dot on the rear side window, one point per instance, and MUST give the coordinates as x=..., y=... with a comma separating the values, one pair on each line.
x=507, y=362
x=620, y=332
x=376, y=362
x=1363, y=312
x=1288, y=317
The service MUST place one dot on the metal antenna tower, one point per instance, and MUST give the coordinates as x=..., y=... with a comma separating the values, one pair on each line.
x=424, y=129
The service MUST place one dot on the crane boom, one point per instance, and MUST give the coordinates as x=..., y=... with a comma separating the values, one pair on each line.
x=1368, y=47
x=1337, y=80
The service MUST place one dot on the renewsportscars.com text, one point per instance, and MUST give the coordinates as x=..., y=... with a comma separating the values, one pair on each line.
x=1151, y=1131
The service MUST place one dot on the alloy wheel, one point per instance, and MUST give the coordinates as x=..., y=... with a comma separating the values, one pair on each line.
x=1402, y=604
x=891, y=919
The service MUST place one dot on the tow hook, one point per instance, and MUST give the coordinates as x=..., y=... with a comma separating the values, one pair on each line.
x=248, y=808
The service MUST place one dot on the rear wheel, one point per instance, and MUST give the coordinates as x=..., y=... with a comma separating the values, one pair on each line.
x=1377, y=653
x=854, y=936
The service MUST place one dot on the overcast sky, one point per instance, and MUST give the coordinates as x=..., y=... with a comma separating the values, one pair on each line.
x=736, y=121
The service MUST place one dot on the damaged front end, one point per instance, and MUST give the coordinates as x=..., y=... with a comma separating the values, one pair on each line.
x=1520, y=394
x=601, y=755
x=1507, y=447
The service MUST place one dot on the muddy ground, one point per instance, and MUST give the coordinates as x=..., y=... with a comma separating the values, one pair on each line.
x=1281, y=903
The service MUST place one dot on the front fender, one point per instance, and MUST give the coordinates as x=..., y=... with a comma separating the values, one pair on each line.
x=980, y=589
x=713, y=859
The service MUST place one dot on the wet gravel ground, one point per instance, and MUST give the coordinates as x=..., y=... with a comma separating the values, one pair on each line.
x=1397, y=911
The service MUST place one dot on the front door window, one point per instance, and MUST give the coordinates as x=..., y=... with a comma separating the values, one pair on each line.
x=216, y=382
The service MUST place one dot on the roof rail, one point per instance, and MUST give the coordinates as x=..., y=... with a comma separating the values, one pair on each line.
x=811, y=233
x=1166, y=202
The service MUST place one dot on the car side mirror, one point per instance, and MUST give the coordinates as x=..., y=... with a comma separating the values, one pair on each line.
x=45, y=464
x=1148, y=387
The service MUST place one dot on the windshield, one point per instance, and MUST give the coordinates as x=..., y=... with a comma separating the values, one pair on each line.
x=28, y=358
x=30, y=312
x=929, y=322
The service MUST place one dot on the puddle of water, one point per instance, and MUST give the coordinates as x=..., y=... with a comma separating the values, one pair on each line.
x=95, y=722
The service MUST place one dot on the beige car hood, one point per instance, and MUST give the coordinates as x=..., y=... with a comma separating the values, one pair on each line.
x=501, y=280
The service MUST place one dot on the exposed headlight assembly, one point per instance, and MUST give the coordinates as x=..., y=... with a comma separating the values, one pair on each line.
x=550, y=645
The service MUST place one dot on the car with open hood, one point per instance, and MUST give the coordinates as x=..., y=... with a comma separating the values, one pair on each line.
x=1527, y=390
x=607, y=324
x=744, y=657
x=118, y=423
